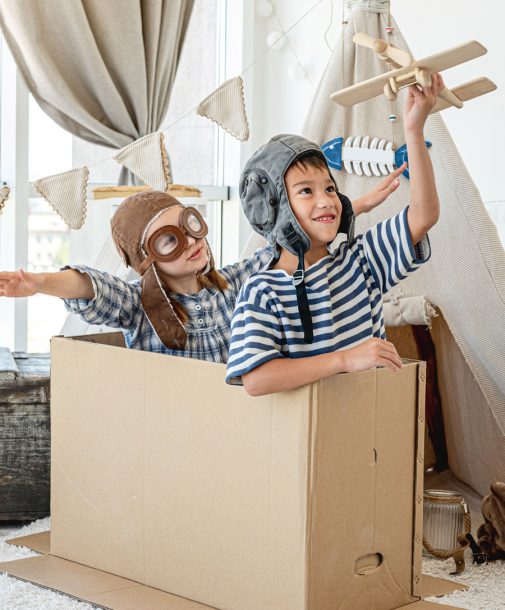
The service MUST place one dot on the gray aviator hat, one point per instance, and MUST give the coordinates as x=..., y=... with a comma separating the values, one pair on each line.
x=266, y=205
x=264, y=198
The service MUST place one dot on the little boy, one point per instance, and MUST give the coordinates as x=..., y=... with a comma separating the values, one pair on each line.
x=313, y=313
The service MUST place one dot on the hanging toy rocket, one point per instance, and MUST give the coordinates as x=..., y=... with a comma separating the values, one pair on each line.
x=363, y=156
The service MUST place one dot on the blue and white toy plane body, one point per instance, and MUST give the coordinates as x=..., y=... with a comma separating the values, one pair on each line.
x=365, y=156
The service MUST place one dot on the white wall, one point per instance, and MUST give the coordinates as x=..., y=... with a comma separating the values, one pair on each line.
x=280, y=104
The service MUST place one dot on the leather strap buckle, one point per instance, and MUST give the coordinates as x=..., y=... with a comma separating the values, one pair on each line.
x=298, y=277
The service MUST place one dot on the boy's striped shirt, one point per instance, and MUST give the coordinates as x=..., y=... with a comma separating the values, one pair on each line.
x=345, y=297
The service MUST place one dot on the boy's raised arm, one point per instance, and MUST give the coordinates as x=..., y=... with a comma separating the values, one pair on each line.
x=424, y=206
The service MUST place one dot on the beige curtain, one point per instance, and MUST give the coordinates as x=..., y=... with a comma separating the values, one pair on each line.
x=102, y=69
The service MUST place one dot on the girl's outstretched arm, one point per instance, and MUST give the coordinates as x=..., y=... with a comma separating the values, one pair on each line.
x=67, y=284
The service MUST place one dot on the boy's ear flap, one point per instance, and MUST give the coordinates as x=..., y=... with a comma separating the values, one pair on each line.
x=347, y=218
x=259, y=201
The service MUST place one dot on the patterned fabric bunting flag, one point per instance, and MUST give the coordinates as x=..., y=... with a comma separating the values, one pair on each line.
x=226, y=107
x=66, y=193
x=147, y=158
x=4, y=195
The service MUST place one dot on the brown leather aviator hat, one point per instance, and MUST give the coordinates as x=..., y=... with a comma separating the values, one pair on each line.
x=129, y=227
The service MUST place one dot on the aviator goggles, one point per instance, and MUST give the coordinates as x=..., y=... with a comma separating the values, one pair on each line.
x=168, y=243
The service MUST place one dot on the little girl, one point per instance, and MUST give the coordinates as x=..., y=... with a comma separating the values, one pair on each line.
x=181, y=305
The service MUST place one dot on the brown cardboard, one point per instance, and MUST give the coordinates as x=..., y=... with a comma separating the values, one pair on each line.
x=233, y=501
x=437, y=587
x=304, y=500
x=87, y=584
x=40, y=543
x=424, y=605
x=112, y=593
x=54, y=575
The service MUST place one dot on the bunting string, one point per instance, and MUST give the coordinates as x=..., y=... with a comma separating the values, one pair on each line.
x=147, y=157
x=244, y=71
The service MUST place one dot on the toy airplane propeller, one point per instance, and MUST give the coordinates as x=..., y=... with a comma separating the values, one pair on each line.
x=406, y=71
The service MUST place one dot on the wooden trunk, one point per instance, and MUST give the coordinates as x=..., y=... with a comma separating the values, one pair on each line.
x=24, y=436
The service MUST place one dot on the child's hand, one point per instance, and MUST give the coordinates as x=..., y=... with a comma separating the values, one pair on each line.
x=19, y=283
x=379, y=194
x=371, y=353
x=420, y=102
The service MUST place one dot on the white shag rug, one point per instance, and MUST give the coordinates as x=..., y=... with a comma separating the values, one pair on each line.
x=19, y=595
x=486, y=582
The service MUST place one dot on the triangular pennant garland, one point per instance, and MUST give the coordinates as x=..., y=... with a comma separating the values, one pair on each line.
x=148, y=159
x=226, y=107
x=66, y=193
x=4, y=195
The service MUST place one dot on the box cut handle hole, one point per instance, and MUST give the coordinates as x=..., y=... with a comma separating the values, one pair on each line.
x=368, y=564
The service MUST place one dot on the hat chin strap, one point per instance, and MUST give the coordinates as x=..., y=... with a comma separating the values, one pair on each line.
x=160, y=312
x=299, y=284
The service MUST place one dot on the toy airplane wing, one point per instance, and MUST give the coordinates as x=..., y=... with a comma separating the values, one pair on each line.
x=362, y=91
x=434, y=63
x=451, y=57
x=466, y=92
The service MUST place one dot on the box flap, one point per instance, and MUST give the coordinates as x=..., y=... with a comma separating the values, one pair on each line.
x=378, y=556
x=436, y=587
x=88, y=584
x=114, y=338
x=39, y=543
x=431, y=586
x=146, y=598
x=117, y=593
x=417, y=543
x=424, y=605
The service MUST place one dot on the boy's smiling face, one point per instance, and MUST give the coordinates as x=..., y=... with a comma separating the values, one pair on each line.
x=314, y=201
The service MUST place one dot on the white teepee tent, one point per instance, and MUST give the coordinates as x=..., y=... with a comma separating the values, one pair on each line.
x=465, y=278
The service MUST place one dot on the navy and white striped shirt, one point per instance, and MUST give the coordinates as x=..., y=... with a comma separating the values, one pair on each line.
x=344, y=291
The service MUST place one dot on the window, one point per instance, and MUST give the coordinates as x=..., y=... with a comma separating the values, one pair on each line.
x=49, y=152
x=42, y=240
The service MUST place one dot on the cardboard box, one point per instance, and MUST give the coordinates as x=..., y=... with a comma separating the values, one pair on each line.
x=304, y=500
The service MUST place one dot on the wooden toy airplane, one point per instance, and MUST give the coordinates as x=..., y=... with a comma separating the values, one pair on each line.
x=406, y=71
